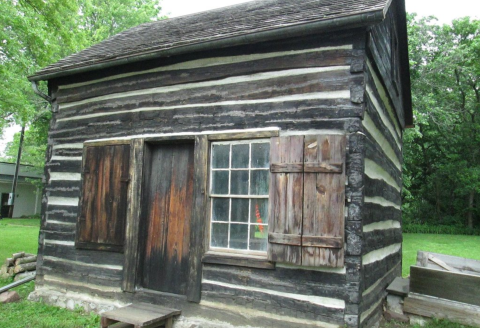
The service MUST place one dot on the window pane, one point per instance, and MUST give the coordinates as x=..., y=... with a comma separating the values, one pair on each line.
x=239, y=185
x=260, y=155
x=220, y=209
x=219, y=235
x=240, y=156
x=238, y=236
x=259, y=182
x=220, y=156
x=220, y=182
x=239, y=210
x=259, y=211
x=258, y=237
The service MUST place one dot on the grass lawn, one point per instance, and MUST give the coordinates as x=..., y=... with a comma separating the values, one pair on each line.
x=22, y=235
x=463, y=246
x=18, y=235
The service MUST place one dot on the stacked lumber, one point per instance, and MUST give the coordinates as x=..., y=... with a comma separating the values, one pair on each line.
x=19, y=265
x=444, y=286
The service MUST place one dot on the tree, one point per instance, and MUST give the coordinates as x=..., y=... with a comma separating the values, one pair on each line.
x=442, y=153
x=35, y=33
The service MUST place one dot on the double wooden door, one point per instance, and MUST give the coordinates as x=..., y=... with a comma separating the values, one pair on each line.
x=166, y=216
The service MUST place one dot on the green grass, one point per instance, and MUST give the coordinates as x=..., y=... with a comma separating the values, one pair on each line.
x=18, y=235
x=26, y=314
x=463, y=246
x=22, y=234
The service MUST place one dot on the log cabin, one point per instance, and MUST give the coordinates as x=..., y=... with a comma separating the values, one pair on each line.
x=242, y=165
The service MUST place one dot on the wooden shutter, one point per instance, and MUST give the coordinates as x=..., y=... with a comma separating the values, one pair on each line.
x=324, y=201
x=101, y=224
x=286, y=199
x=307, y=200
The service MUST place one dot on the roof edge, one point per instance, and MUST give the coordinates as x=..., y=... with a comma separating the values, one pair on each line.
x=353, y=21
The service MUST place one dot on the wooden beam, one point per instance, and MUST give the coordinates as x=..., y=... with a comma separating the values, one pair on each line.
x=133, y=216
x=455, y=286
x=198, y=218
x=442, y=309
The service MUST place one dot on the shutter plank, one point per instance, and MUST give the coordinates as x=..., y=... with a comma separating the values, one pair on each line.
x=101, y=224
x=286, y=198
x=324, y=202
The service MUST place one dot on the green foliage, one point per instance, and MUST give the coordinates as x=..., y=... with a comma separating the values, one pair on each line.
x=442, y=152
x=36, y=33
x=463, y=246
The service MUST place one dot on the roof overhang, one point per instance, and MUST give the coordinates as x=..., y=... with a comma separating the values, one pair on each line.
x=347, y=22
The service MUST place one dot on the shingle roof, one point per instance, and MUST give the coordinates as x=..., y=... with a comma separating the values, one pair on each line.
x=226, y=23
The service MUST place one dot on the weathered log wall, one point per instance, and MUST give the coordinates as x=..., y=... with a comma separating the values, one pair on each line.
x=310, y=84
x=383, y=125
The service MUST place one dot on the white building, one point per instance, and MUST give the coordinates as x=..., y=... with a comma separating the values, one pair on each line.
x=27, y=195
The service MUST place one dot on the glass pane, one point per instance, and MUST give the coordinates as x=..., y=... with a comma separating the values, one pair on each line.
x=239, y=185
x=239, y=210
x=219, y=236
x=260, y=155
x=240, y=156
x=258, y=237
x=260, y=181
x=259, y=211
x=220, y=182
x=220, y=156
x=238, y=236
x=220, y=208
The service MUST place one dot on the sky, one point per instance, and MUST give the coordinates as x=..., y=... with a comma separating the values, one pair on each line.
x=444, y=10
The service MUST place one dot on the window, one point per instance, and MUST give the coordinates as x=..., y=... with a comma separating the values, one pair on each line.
x=101, y=223
x=239, y=186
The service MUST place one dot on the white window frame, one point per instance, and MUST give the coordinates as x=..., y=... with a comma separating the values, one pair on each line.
x=233, y=196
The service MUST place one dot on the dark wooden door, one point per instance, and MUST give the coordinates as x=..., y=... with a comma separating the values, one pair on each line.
x=167, y=200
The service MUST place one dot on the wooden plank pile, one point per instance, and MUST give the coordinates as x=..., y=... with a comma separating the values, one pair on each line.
x=20, y=265
x=443, y=286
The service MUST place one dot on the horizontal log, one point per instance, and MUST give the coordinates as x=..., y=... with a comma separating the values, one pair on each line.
x=9, y=261
x=25, y=267
x=64, y=165
x=18, y=255
x=373, y=213
x=375, y=153
x=271, y=303
x=225, y=116
x=26, y=260
x=219, y=71
x=61, y=267
x=377, y=187
x=299, y=280
x=376, y=270
x=72, y=254
x=250, y=87
x=378, y=239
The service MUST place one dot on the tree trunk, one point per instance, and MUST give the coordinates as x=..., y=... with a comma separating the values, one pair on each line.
x=471, y=198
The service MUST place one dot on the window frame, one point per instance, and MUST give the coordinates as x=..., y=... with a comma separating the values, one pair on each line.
x=230, y=196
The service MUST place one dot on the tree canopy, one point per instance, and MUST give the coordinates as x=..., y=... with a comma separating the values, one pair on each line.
x=35, y=33
x=442, y=153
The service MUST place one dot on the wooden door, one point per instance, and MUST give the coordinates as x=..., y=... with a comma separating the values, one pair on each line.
x=167, y=201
